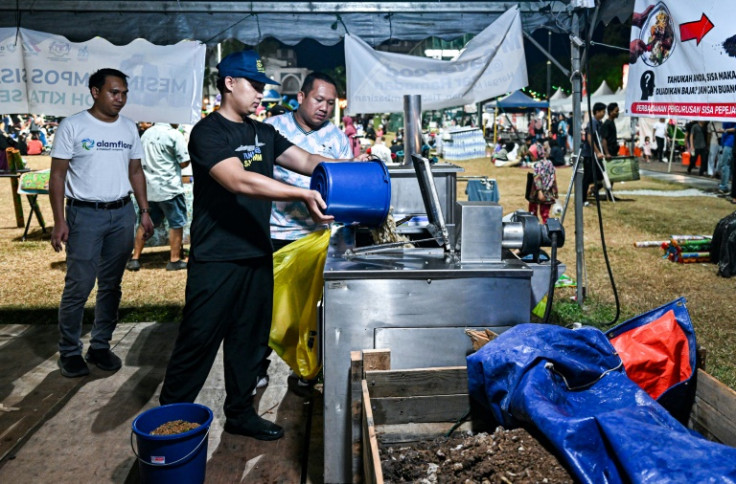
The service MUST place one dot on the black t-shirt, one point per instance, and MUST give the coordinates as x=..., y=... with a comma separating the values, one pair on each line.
x=227, y=226
x=608, y=133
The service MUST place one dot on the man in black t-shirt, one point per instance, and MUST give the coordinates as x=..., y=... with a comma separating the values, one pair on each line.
x=591, y=150
x=609, y=139
x=229, y=293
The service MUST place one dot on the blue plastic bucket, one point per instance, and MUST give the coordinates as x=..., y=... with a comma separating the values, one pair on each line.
x=355, y=192
x=178, y=458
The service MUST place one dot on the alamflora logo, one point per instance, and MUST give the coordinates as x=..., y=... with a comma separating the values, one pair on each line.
x=88, y=143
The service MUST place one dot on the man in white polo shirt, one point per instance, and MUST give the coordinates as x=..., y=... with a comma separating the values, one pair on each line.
x=95, y=164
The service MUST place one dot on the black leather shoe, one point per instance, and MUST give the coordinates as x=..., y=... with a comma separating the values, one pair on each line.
x=73, y=366
x=256, y=427
x=104, y=359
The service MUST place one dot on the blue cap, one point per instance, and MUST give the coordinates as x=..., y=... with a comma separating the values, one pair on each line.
x=246, y=63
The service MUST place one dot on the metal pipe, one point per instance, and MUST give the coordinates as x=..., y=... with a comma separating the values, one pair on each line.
x=576, y=129
x=513, y=235
x=412, y=127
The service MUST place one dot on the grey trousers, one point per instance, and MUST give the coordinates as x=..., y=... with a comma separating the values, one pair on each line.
x=99, y=245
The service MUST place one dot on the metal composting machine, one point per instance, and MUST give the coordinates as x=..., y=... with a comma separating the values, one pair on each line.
x=417, y=300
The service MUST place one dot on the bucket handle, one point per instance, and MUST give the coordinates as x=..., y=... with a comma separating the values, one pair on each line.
x=204, y=439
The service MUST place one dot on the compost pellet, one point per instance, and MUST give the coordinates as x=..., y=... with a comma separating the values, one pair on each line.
x=174, y=427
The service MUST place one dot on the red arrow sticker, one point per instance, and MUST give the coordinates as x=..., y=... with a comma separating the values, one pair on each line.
x=695, y=30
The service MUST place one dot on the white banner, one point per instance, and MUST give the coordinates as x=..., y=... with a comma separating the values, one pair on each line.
x=492, y=64
x=46, y=74
x=13, y=97
x=683, y=60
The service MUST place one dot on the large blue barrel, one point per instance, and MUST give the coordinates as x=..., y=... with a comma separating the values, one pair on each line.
x=355, y=192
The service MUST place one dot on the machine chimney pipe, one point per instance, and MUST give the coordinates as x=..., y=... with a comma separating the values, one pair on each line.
x=412, y=127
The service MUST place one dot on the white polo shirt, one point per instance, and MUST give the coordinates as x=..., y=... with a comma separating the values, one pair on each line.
x=99, y=155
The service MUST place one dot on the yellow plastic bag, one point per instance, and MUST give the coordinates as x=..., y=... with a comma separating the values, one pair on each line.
x=298, y=284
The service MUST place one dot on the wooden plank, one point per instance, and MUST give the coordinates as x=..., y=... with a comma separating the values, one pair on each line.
x=371, y=459
x=243, y=459
x=37, y=391
x=236, y=458
x=86, y=436
x=418, y=382
x=440, y=408
x=26, y=416
x=376, y=359
x=714, y=410
x=356, y=414
x=404, y=433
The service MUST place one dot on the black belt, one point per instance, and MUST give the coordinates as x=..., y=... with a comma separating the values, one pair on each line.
x=72, y=202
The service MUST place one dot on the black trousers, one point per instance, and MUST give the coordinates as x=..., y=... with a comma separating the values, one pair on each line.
x=660, y=148
x=225, y=301
x=588, y=162
x=703, y=153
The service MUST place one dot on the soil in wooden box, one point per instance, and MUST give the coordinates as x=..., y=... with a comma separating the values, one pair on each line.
x=504, y=456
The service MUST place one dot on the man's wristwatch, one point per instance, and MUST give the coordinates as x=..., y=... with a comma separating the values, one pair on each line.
x=144, y=210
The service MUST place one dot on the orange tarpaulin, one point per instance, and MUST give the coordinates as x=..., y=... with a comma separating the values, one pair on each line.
x=656, y=356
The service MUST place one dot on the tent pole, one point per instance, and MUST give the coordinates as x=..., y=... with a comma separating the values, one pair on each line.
x=495, y=127
x=672, y=144
x=576, y=130
x=549, y=64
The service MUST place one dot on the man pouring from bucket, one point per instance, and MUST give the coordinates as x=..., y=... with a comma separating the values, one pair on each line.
x=229, y=287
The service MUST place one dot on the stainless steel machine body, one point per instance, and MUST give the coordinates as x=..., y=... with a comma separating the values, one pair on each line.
x=415, y=303
x=418, y=303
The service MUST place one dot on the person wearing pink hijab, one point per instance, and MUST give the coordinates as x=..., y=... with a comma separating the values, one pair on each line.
x=351, y=133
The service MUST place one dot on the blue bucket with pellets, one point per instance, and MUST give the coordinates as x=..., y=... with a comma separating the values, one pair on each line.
x=355, y=192
x=177, y=458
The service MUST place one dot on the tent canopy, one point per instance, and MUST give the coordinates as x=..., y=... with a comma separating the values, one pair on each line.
x=518, y=100
x=559, y=94
x=271, y=95
x=603, y=90
x=169, y=21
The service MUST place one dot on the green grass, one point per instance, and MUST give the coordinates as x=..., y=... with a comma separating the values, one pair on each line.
x=593, y=313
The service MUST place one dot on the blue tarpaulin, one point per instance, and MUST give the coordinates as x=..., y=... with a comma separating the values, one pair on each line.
x=571, y=386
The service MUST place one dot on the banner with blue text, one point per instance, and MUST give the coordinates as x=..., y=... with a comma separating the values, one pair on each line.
x=43, y=73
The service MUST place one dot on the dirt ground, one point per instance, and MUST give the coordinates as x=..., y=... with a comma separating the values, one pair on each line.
x=503, y=457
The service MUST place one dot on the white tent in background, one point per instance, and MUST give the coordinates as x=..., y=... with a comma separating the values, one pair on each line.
x=564, y=105
x=623, y=123
x=603, y=90
x=559, y=94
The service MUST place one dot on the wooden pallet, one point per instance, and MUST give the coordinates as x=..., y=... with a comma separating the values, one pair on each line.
x=417, y=404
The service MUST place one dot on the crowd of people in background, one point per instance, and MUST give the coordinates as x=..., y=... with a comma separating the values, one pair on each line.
x=30, y=134
x=709, y=145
